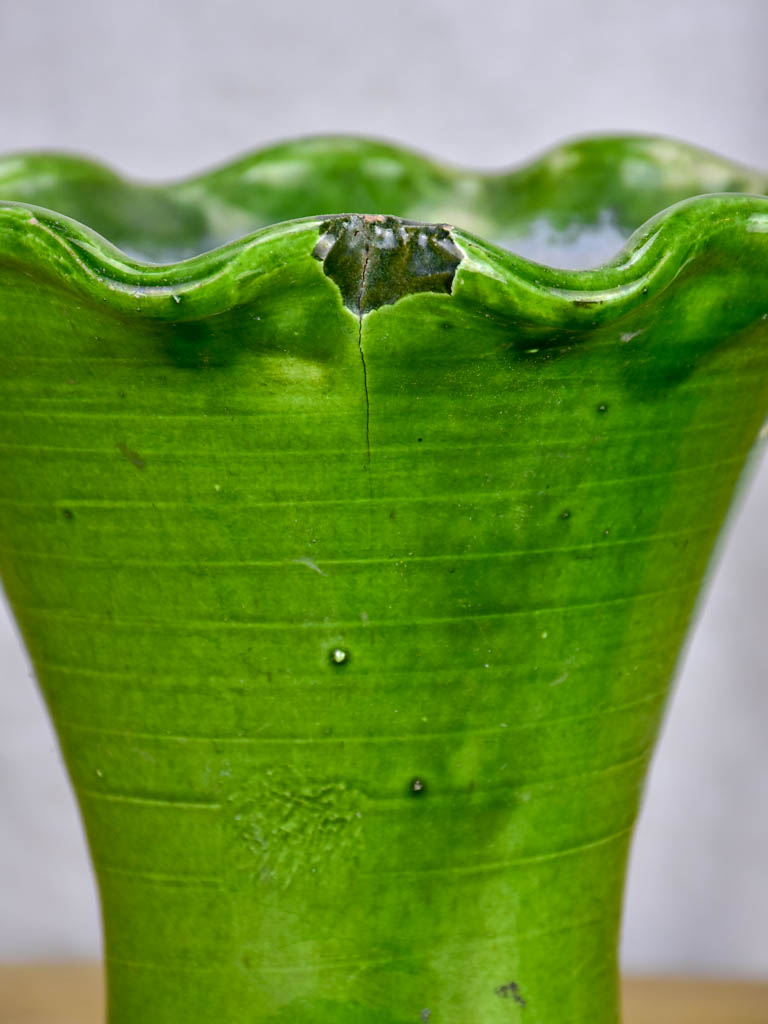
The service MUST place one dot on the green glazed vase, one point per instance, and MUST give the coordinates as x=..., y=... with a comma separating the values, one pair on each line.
x=354, y=556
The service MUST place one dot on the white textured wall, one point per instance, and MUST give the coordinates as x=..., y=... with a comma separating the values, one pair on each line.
x=163, y=88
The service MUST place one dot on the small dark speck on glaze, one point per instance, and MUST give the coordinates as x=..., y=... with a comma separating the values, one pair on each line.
x=68, y=513
x=131, y=455
x=510, y=991
x=565, y=514
x=419, y=439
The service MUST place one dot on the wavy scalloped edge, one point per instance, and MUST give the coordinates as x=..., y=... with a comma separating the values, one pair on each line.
x=53, y=244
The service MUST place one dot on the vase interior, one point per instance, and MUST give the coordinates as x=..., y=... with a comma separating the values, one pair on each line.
x=572, y=208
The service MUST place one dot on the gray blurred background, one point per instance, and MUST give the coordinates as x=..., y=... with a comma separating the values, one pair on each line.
x=164, y=89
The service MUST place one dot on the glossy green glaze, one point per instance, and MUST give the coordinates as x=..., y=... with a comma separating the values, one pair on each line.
x=355, y=565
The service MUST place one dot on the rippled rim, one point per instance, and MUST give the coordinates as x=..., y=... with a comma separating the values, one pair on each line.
x=52, y=244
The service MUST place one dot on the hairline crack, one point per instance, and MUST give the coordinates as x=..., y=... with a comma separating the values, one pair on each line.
x=360, y=317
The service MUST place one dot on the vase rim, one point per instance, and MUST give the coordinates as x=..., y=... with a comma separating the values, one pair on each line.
x=73, y=252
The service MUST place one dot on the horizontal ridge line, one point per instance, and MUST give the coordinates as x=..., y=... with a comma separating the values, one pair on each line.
x=491, y=730
x=392, y=560
x=127, y=798
x=357, y=624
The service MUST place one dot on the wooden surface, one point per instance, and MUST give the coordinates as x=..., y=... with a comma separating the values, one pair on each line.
x=58, y=994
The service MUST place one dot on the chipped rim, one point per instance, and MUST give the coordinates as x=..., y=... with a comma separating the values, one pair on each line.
x=53, y=245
